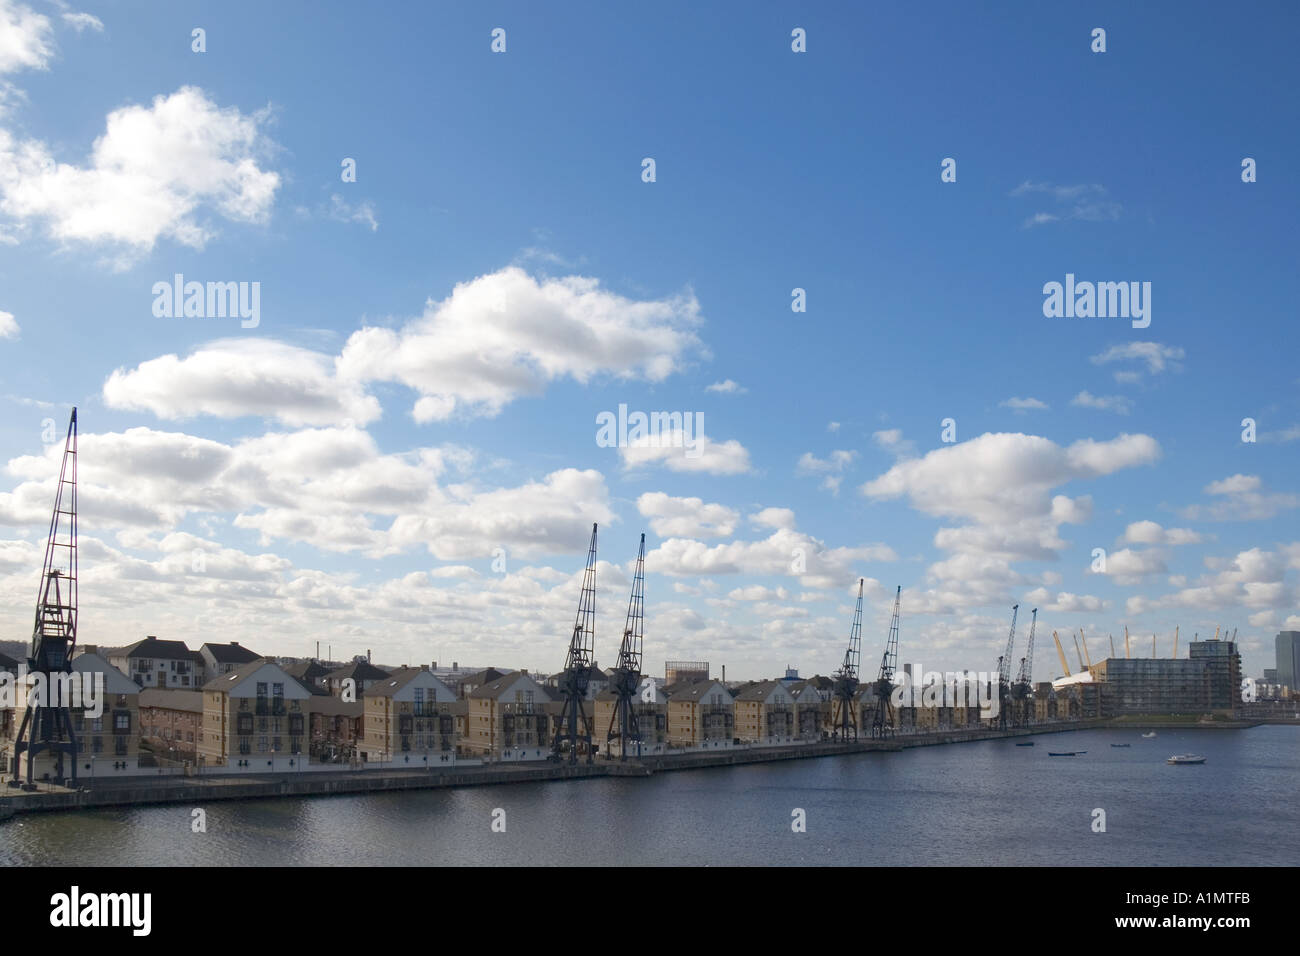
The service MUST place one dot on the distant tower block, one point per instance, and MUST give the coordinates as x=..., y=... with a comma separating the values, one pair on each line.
x=676, y=671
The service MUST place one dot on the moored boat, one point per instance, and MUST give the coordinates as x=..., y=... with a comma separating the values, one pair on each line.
x=1121, y=745
x=1185, y=758
x=1150, y=735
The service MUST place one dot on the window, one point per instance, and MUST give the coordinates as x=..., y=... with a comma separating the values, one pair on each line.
x=261, y=688
x=121, y=721
x=419, y=700
x=261, y=745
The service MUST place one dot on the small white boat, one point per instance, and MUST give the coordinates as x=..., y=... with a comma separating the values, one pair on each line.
x=1150, y=735
x=1185, y=758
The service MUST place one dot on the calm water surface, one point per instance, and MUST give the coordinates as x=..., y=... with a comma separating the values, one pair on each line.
x=965, y=804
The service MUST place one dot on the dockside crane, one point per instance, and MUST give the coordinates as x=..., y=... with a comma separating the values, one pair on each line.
x=1004, y=673
x=1086, y=656
x=1061, y=654
x=1112, y=644
x=846, y=678
x=575, y=726
x=1025, y=679
x=627, y=673
x=1078, y=653
x=882, y=721
x=1127, y=655
x=47, y=722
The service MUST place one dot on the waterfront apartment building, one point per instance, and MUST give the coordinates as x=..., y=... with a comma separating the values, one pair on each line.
x=171, y=722
x=251, y=715
x=812, y=710
x=155, y=663
x=409, y=712
x=764, y=713
x=1208, y=680
x=1287, y=647
x=221, y=659
x=651, y=708
x=700, y=713
x=351, y=680
x=507, y=715
x=335, y=728
x=107, y=744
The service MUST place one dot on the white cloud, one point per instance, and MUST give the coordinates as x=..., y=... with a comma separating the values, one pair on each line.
x=1157, y=357
x=1244, y=499
x=1148, y=532
x=8, y=326
x=832, y=426
x=1064, y=602
x=686, y=517
x=26, y=38
x=1086, y=202
x=1000, y=486
x=892, y=441
x=782, y=554
x=232, y=378
x=831, y=468
x=342, y=211
x=154, y=173
x=1023, y=404
x=676, y=452
x=781, y=518
x=1253, y=579
x=83, y=21
x=506, y=334
x=1129, y=567
x=1106, y=403
x=727, y=388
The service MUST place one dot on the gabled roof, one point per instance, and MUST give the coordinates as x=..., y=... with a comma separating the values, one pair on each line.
x=392, y=685
x=115, y=682
x=358, y=670
x=496, y=688
x=306, y=670
x=237, y=676
x=693, y=690
x=231, y=653
x=7, y=663
x=152, y=647
x=759, y=691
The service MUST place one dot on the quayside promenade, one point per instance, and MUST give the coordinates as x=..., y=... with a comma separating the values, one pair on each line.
x=194, y=790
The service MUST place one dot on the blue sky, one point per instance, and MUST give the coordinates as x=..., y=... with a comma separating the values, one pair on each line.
x=436, y=339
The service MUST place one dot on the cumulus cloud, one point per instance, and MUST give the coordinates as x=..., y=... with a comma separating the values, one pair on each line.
x=892, y=441
x=507, y=334
x=8, y=326
x=1255, y=579
x=234, y=378
x=678, y=452
x=786, y=553
x=1242, y=498
x=686, y=517
x=26, y=38
x=329, y=488
x=1000, y=487
x=1148, y=532
x=156, y=172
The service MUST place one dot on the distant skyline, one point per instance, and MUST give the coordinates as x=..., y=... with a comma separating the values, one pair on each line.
x=435, y=289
